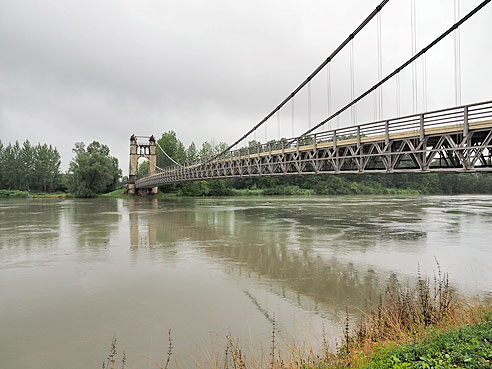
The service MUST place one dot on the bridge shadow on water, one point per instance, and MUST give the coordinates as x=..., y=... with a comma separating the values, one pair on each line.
x=291, y=247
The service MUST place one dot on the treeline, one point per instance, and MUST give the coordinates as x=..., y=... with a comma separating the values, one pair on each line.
x=25, y=167
x=366, y=184
x=177, y=150
x=411, y=183
x=29, y=168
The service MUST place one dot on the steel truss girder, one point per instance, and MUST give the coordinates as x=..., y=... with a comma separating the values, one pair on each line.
x=450, y=152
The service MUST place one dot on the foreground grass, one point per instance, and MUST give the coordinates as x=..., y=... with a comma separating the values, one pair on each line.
x=466, y=347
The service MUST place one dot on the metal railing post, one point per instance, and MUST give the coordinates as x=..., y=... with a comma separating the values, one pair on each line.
x=422, y=129
x=386, y=133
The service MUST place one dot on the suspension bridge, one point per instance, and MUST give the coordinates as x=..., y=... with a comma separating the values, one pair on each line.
x=454, y=139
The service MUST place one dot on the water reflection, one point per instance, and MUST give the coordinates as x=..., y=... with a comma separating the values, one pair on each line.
x=29, y=224
x=93, y=223
x=269, y=244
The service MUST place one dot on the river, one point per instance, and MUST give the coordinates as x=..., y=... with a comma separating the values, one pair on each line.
x=75, y=273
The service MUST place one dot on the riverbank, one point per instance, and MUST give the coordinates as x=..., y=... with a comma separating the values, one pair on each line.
x=466, y=347
x=424, y=326
x=462, y=339
x=6, y=194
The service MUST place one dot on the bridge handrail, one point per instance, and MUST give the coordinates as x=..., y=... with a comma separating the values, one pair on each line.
x=431, y=119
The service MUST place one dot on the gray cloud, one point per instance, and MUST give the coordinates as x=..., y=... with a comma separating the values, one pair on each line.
x=102, y=70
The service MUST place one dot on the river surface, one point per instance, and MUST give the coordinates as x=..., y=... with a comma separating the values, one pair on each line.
x=75, y=273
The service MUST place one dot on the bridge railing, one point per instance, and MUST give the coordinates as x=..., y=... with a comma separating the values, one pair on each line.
x=415, y=125
x=411, y=125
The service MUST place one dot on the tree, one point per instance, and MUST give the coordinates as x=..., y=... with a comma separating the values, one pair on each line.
x=11, y=166
x=143, y=169
x=206, y=151
x=46, y=168
x=29, y=167
x=27, y=162
x=191, y=153
x=93, y=170
x=173, y=147
x=2, y=165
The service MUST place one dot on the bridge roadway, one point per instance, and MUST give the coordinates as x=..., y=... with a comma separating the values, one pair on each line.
x=449, y=140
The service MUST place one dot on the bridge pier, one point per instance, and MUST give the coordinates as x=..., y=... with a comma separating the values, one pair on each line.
x=137, y=151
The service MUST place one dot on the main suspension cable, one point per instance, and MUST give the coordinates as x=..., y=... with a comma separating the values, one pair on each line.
x=165, y=153
x=404, y=65
x=309, y=78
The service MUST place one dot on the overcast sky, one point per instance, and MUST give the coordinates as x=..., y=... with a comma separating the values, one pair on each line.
x=101, y=70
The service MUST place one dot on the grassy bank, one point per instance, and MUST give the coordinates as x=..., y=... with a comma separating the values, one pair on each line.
x=466, y=347
x=120, y=192
x=32, y=195
x=421, y=326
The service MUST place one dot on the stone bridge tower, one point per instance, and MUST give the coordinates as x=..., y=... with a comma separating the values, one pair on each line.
x=137, y=151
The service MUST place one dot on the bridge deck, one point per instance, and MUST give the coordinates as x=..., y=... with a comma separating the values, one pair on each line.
x=243, y=166
x=451, y=128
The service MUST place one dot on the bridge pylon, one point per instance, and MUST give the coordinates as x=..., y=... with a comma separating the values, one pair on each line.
x=137, y=151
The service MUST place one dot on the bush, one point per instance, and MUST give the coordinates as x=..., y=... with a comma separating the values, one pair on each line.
x=198, y=188
x=284, y=190
x=13, y=193
x=219, y=188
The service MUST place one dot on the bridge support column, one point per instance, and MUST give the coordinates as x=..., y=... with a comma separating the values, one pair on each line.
x=132, y=173
x=153, y=162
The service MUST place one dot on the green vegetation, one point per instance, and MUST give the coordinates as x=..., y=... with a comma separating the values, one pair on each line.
x=367, y=184
x=468, y=347
x=34, y=171
x=93, y=171
x=26, y=167
x=116, y=193
x=13, y=194
x=143, y=169
x=32, y=195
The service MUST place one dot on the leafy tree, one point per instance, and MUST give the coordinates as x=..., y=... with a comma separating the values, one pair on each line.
x=11, y=166
x=191, y=153
x=27, y=162
x=219, y=187
x=29, y=167
x=93, y=170
x=46, y=167
x=143, y=169
x=221, y=146
x=198, y=188
x=173, y=147
x=2, y=165
x=206, y=151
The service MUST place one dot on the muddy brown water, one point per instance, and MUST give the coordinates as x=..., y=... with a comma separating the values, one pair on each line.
x=75, y=273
